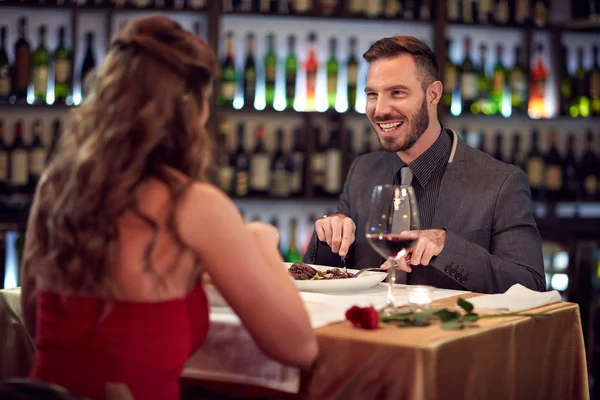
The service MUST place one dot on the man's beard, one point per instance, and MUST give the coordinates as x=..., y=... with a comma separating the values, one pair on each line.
x=418, y=124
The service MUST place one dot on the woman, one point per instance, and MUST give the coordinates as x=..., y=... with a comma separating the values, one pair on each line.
x=123, y=226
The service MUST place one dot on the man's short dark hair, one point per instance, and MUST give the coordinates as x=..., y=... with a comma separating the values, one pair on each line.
x=425, y=59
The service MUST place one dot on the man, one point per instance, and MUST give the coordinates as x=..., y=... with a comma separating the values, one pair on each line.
x=478, y=229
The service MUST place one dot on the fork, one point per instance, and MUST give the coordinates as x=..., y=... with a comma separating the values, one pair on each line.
x=344, y=264
x=368, y=269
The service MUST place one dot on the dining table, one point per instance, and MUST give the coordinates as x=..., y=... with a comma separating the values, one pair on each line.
x=502, y=357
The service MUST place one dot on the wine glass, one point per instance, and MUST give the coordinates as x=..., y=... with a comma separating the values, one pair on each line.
x=392, y=229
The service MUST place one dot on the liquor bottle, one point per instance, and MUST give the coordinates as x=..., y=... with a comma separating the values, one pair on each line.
x=581, y=86
x=55, y=141
x=484, y=86
x=590, y=165
x=297, y=169
x=498, y=146
x=538, y=79
x=534, y=166
x=468, y=77
x=293, y=255
x=566, y=86
x=241, y=163
x=4, y=167
x=594, y=84
x=452, y=10
x=249, y=86
x=280, y=177
x=37, y=155
x=228, y=75
x=89, y=63
x=311, y=66
x=499, y=82
x=318, y=164
x=332, y=74
x=450, y=78
x=332, y=182
x=225, y=170
x=352, y=74
x=18, y=171
x=291, y=72
x=570, y=190
x=5, y=81
x=62, y=69
x=540, y=15
x=516, y=154
x=22, y=67
x=518, y=84
x=553, y=172
x=260, y=163
x=41, y=64
x=270, y=70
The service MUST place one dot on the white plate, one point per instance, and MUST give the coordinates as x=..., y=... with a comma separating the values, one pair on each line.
x=365, y=281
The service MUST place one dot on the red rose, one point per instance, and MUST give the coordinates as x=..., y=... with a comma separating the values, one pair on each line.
x=363, y=317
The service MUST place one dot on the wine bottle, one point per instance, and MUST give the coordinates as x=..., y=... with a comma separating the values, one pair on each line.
x=484, y=86
x=332, y=74
x=5, y=80
x=409, y=10
x=41, y=64
x=291, y=72
x=55, y=141
x=89, y=63
x=333, y=161
x=425, y=10
x=498, y=146
x=516, y=154
x=352, y=74
x=452, y=10
x=228, y=75
x=570, y=189
x=297, y=166
x=523, y=12
x=540, y=16
x=356, y=7
x=260, y=162
x=590, y=165
x=37, y=155
x=499, y=82
x=534, y=166
x=501, y=15
x=318, y=164
x=553, y=172
x=293, y=255
x=249, y=86
x=450, y=78
x=62, y=69
x=4, y=167
x=302, y=6
x=241, y=164
x=538, y=79
x=581, y=86
x=280, y=179
x=225, y=171
x=18, y=171
x=311, y=67
x=518, y=84
x=270, y=71
x=566, y=85
x=481, y=145
x=22, y=67
x=468, y=77
x=594, y=84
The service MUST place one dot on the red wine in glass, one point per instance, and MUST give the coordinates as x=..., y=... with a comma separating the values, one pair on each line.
x=390, y=244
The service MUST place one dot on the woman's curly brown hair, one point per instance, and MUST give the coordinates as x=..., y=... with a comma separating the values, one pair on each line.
x=142, y=114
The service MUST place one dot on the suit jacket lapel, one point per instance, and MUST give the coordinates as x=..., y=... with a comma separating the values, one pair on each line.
x=452, y=188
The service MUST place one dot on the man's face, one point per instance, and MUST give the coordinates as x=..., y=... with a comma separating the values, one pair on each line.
x=396, y=103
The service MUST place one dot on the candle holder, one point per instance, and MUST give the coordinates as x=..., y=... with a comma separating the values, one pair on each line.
x=420, y=297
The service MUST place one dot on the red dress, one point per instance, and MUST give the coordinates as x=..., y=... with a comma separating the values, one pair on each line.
x=143, y=345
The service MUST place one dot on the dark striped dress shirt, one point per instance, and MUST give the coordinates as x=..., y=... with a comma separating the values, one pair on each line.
x=428, y=170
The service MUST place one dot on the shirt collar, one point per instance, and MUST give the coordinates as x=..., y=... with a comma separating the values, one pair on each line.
x=423, y=167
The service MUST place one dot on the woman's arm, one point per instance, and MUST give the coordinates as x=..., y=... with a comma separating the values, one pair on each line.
x=245, y=266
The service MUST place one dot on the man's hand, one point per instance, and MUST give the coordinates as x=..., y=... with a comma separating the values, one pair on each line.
x=430, y=244
x=337, y=231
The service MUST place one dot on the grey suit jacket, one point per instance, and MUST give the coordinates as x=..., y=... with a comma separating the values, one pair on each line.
x=485, y=205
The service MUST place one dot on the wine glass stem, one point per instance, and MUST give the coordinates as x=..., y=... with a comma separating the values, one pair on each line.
x=391, y=281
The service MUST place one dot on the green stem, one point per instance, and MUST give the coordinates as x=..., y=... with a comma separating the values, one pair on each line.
x=514, y=315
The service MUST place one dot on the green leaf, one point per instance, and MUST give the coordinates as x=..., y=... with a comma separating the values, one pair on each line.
x=446, y=315
x=452, y=324
x=422, y=317
x=470, y=317
x=396, y=317
x=465, y=305
x=411, y=322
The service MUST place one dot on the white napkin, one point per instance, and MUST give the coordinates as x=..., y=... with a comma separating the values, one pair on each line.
x=515, y=299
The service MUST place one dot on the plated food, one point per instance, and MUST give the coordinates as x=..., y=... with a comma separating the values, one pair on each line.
x=302, y=272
